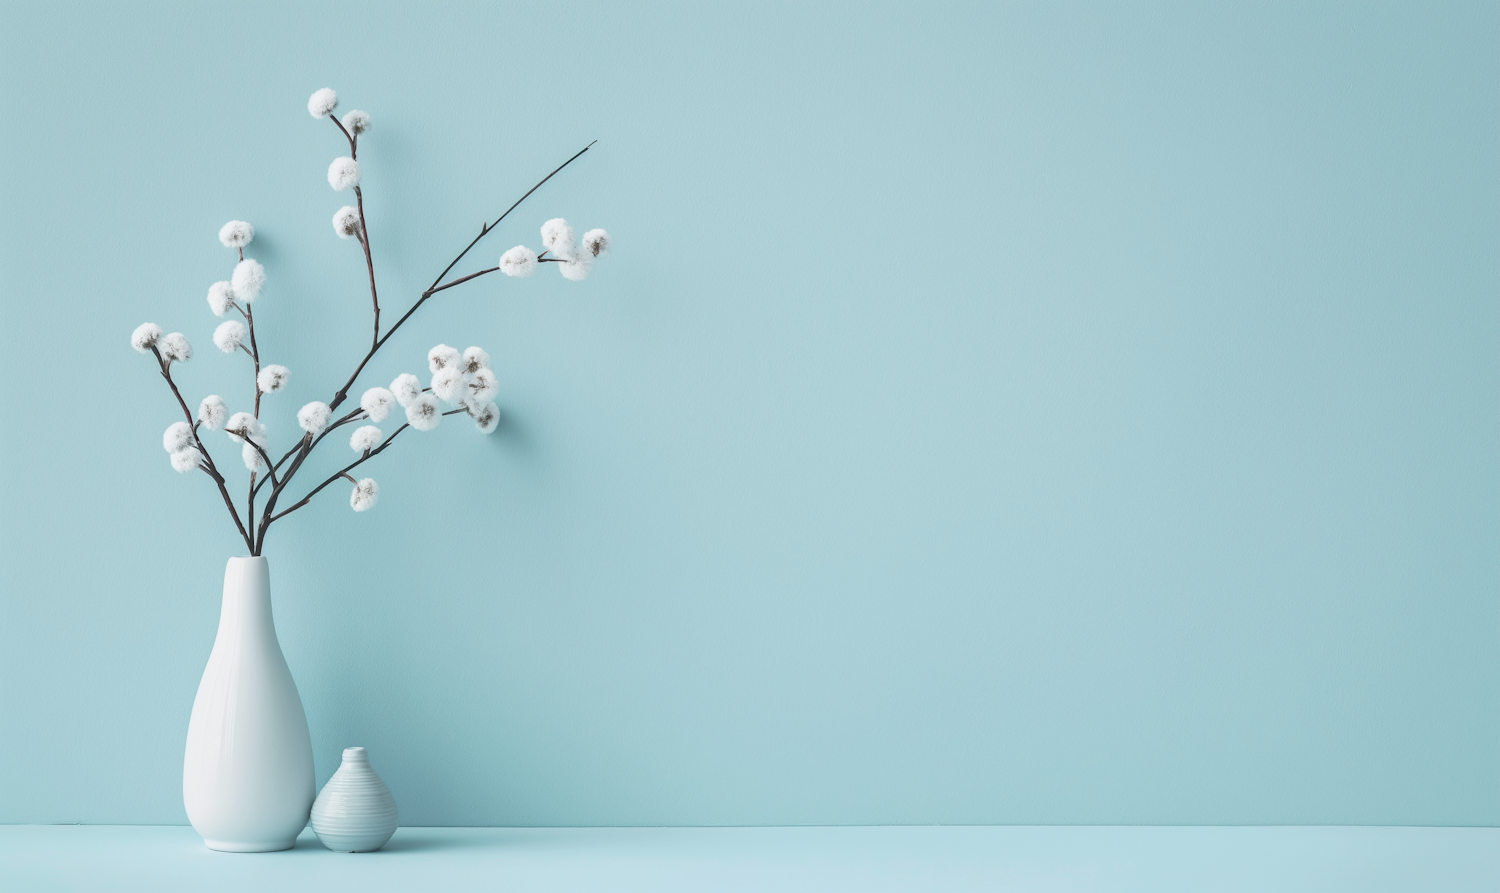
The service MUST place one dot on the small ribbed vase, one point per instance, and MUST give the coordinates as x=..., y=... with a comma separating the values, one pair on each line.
x=354, y=813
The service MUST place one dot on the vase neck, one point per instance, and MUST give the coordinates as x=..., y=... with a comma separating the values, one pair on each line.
x=247, y=596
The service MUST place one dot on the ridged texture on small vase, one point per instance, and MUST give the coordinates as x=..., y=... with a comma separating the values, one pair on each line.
x=355, y=812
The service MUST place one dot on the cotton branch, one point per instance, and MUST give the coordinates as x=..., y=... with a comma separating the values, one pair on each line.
x=335, y=476
x=208, y=461
x=484, y=230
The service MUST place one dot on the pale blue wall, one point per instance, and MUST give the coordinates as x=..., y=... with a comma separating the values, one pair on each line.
x=989, y=414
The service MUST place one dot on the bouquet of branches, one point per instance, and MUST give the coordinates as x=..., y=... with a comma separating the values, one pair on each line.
x=460, y=382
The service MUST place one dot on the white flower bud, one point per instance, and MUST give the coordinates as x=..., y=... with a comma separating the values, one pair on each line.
x=220, y=297
x=179, y=436
x=576, y=267
x=557, y=237
x=145, y=336
x=185, y=460
x=483, y=386
x=229, y=335
x=313, y=417
x=272, y=378
x=475, y=359
x=365, y=439
x=448, y=383
x=377, y=403
x=236, y=234
x=346, y=222
x=595, y=242
x=248, y=279
x=443, y=356
x=343, y=173
x=424, y=414
x=357, y=122
x=322, y=102
x=211, y=411
x=486, y=417
x=242, y=425
x=251, y=457
x=175, y=348
x=364, y=495
x=519, y=261
x=406, y=388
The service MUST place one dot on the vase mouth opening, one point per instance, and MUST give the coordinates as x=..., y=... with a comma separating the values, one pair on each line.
x=354, y=754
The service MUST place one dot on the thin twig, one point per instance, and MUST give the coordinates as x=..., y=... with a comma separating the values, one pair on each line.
x=462, y=279
x=364, y=241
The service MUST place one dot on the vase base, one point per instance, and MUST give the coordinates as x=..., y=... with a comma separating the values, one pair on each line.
x=258, y=846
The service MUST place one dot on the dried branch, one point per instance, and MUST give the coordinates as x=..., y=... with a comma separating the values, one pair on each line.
x=335, y=476
x=484, y=230
x=208, y=460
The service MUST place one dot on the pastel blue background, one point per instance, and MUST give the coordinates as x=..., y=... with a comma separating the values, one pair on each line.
x=989, y=414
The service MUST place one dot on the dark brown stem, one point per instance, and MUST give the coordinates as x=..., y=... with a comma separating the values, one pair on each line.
x=250, y=504
x=254, y=355
x=208, y=461
x=364, y=240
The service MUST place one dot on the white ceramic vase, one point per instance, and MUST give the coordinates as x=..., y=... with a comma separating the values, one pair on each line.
x=354, y=813
x=247, y=780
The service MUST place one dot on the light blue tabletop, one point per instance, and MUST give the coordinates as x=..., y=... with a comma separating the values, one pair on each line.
x=1161, y=860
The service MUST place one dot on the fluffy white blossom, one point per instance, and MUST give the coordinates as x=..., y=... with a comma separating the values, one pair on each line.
x=175, y=348
x=365, y=438
x=364, y=495
x=313, y=417
x=595, y=242
x=145, y=336
x=229, y=335
x=557, y=237
x=483, y=386
x=357, y=121
x=475, y=358
x=377, y=402
x=248, y=279
x=518, y=261
x=185, y=460
x=236, y=234
x=179, y=436
x=243, y=424
x=251, y=456
x=220, y=297
x=406, y=388
x=448, y=384
x=343, y=173
x=576, y=267
x=346, y=222
x=443, y=356
x=486, y=416
x=424, y=413
x=272, y=378
x=322, y=102
x=211, y=411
